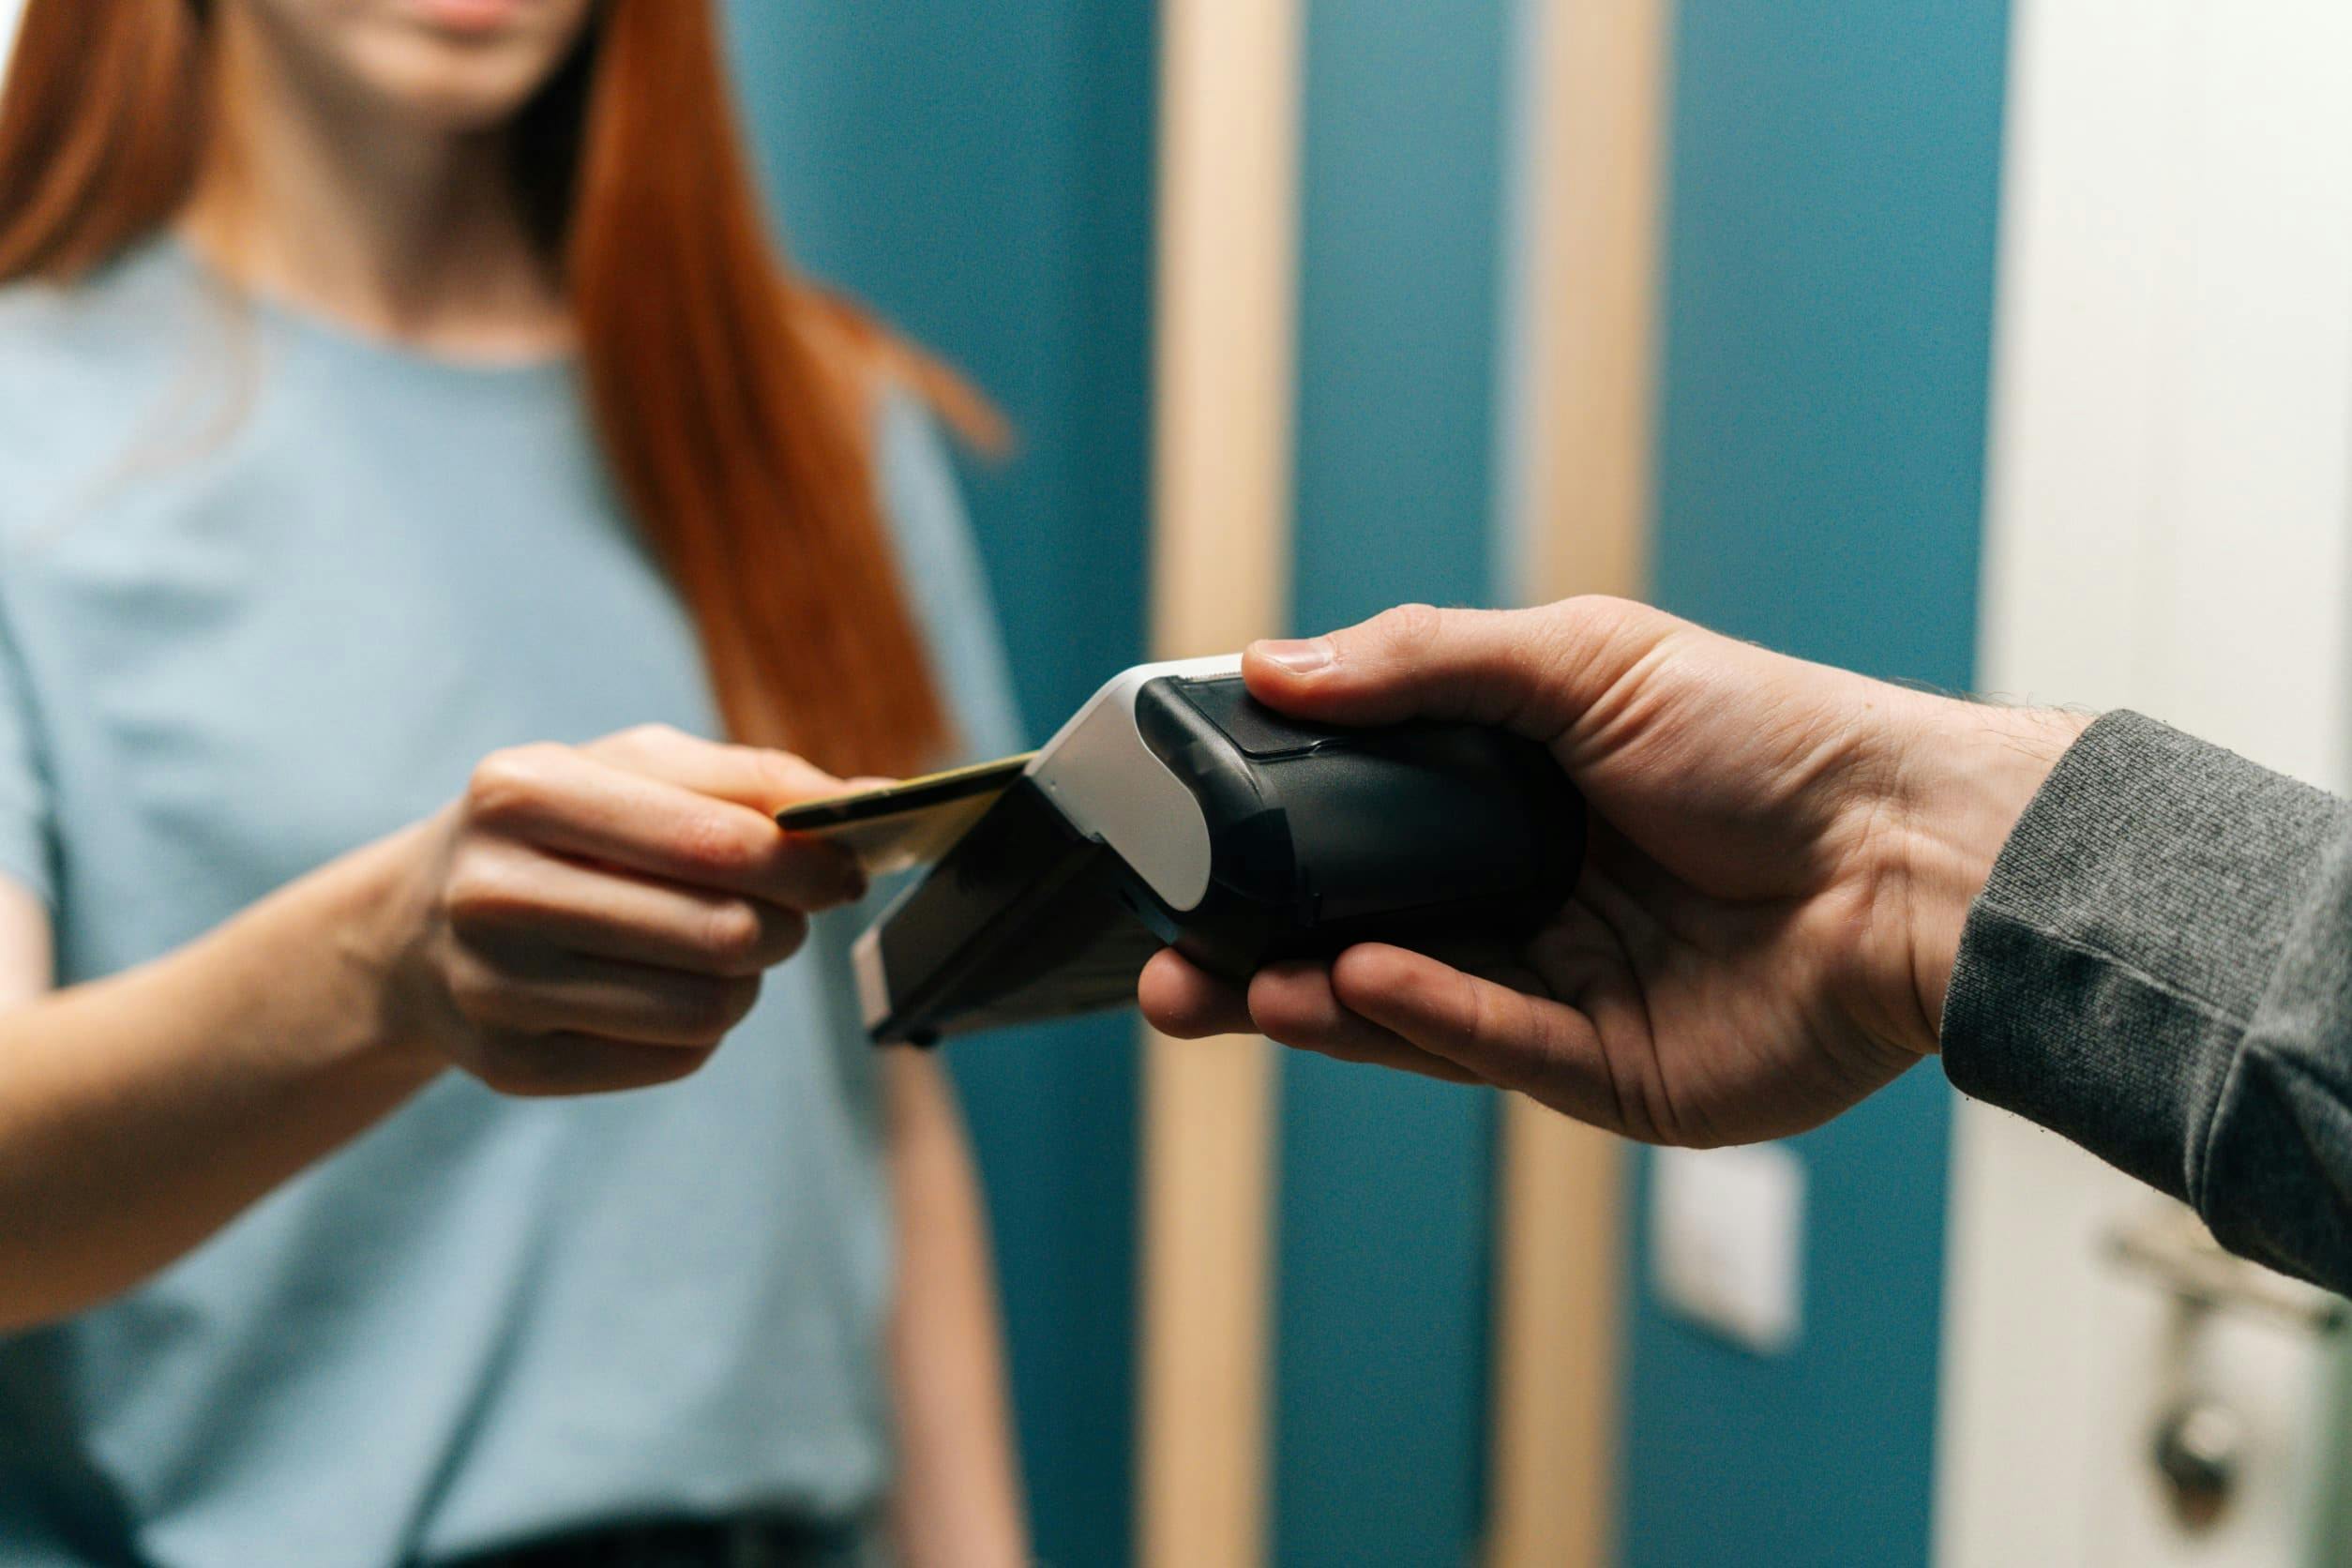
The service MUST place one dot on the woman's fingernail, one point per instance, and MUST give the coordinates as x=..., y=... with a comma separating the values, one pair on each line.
x=1300, y=658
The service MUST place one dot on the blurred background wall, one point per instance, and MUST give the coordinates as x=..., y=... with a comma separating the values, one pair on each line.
x=1830, y=189
x=1384, y=1181
x=1814, y=478
x=984, y=177
x=2168, y=528
x=1826, y=321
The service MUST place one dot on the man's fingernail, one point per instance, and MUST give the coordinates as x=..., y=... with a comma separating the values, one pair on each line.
x=1300, y=658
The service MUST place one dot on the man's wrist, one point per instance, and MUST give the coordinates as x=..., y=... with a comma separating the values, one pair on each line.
x=1974, y=770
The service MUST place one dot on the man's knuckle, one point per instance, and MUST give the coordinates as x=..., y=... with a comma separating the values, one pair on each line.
x=1410, y=630
x=1597, y=614
x=1605, y=635
x=1479, y=1029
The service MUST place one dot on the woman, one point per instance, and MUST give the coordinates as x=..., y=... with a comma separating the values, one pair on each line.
x=395, y=396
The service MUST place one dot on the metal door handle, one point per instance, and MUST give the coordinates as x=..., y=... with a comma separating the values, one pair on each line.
x=2200, y=1450
x=2174, y=1247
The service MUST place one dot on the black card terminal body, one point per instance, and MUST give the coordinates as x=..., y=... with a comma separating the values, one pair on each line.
x=1176, y=810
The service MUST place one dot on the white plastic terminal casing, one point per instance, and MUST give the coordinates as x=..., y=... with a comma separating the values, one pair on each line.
x=1108, y=785
x=873, y=986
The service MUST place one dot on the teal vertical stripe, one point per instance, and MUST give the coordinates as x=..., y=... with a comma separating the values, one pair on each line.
x=983, y=175
x=1828, y=313
x=1381, y=1315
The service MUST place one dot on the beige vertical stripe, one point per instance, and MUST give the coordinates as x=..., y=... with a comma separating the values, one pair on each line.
x=1221, y=558
x=1596, y=200
x=1599, y=159
x=1554, y=1406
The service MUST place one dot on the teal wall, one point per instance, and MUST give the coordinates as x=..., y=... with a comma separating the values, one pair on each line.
x=1828, y=316
x=982, y=174
x=1382, y=1310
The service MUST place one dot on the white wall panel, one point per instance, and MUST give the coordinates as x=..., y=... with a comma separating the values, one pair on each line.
x=2169, y=528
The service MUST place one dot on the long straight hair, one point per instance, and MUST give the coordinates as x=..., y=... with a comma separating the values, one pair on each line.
x=733, y=400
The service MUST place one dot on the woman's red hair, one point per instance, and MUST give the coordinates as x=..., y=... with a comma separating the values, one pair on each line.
x=732, y=400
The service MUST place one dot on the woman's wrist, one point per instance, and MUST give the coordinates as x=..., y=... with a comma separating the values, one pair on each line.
x=356, y=918
x=1971, y=772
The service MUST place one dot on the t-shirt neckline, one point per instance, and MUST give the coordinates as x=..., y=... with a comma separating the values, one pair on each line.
x=308, y=325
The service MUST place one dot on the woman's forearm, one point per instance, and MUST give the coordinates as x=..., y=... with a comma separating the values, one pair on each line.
x=581, y=919
x=959, y=1496
x=142, y=1112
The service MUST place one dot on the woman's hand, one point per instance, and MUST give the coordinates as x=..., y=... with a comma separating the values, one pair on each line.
x=585, y=918
x=597, y=918
x=1782, y=859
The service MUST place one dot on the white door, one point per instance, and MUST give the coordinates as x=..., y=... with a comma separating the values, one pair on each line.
x=2169, y=528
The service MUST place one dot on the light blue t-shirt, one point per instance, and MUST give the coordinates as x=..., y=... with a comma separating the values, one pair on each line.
x=267, y=592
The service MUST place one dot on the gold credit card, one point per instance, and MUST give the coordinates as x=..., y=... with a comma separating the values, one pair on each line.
x=895, y=827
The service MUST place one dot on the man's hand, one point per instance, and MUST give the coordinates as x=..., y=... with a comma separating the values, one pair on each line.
x=1782, y=858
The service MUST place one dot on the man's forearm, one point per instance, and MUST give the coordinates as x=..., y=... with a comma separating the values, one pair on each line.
x=2160, y=970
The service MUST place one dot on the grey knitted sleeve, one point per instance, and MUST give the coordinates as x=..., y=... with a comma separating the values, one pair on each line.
x=2160, y=970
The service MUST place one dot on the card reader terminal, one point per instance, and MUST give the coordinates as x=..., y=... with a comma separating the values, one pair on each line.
x=1175, y=809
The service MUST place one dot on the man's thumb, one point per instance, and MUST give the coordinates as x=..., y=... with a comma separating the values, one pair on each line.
x=1533, y=671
